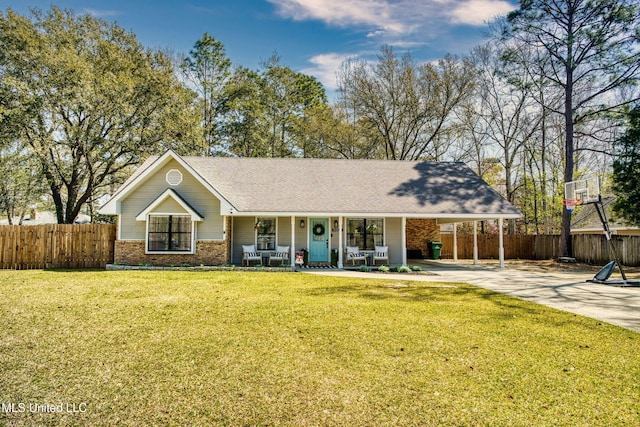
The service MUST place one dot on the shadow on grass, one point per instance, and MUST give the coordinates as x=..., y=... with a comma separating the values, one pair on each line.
x=468, y=301
x=410, y=293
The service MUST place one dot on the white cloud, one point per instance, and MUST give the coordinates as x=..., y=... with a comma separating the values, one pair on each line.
x=101, y=13
x=392, y=19
x=478, y=12
x=405, y=24
x=377, y=14
x=325, y=67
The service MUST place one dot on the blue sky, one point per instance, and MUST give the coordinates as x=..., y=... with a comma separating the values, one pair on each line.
x=310, y=36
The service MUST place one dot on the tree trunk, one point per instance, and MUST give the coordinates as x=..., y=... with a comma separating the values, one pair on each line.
x=565, y=235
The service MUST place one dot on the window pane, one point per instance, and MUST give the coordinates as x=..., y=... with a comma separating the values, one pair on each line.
x=180, y=241
x=181, y=224
x=158, y=242
x=266, y=233
x=375, y=232
x=355, y=232
x=159, y=224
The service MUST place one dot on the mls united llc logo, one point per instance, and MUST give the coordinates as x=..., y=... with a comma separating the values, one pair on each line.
x=19, y=408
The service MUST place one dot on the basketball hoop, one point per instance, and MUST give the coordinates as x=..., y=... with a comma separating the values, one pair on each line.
x=570, y=204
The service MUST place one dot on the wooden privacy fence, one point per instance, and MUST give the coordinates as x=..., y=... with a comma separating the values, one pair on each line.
x=588, y=248
x=56, y=246
x=594, y=249
x=515, y=246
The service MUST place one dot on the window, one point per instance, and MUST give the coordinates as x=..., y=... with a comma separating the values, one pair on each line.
x=174, y=177
x=169, y=233
x=266, y=233
x=365, y=233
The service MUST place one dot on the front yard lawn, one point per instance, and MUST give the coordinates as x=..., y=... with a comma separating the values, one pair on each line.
x=291, y=349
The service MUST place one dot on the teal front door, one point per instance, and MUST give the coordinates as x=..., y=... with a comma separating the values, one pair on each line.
x=319, y=240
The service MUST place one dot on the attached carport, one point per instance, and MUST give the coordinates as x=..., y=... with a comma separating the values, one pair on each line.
x=474, y=219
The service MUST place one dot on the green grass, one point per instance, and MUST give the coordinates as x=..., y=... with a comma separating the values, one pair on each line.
x=291, y=349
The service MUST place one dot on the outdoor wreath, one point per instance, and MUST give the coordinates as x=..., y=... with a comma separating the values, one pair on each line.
x=318, y=230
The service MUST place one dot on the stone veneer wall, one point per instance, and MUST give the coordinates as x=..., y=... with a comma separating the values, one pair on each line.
x=207, y=252
x=420, y=233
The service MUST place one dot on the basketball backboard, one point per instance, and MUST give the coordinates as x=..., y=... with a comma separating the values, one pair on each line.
x=584, y=190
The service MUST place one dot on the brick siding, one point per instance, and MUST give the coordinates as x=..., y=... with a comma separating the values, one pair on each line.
x=208, y=252
x=420, y=233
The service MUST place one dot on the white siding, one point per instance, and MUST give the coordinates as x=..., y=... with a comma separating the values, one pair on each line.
x=301, y=233
x=393, y=239
x=243, y=234
x=284, y=231
x=169, y=206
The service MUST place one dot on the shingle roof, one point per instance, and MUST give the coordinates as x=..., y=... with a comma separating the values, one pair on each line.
x=350, y=186
x=446, y=190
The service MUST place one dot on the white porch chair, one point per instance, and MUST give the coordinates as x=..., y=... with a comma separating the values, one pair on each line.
x=354, y=254
x=281, y=254
x=249, y=254
x=381, y=253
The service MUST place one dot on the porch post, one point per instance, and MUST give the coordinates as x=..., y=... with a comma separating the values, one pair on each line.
x=475, y=242
x=340, y=251
x=292, y=248
x=501, y=239
x=227, y=235
x=455, y=241
x=404, y=240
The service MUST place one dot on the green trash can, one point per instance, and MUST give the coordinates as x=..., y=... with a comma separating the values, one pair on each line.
x=436, y=247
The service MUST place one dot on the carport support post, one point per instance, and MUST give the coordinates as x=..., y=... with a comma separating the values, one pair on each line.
x=455, y=242
x=501, y=239
x=340, y=251
x=475, y=242
x=404, y=240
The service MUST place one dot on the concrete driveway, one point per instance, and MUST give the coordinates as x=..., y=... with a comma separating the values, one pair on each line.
x=566, y=291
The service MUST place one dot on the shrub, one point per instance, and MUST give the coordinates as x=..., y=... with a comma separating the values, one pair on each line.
x=383, y=268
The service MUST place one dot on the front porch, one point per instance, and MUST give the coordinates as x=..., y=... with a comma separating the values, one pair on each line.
x=324, y=239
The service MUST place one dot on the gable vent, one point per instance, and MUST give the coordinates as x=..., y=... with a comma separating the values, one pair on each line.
x=174, y=177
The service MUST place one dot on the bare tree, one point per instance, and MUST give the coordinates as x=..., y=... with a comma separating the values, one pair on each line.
x=592, y=50
x=508, y=114
x=408, y=106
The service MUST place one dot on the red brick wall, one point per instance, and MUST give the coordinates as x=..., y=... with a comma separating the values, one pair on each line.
x=208, y=252
x=421, y=232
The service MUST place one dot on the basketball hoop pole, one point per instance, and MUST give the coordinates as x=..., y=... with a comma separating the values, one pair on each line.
x=607, y=232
